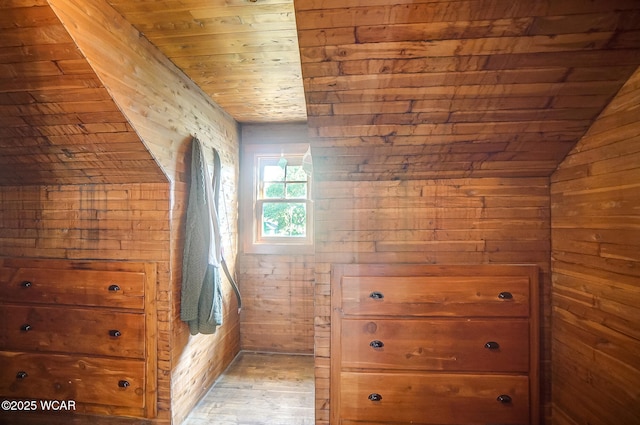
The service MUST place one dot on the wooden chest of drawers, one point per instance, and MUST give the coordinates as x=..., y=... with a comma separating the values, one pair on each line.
x=426, y=344
x=79, y=330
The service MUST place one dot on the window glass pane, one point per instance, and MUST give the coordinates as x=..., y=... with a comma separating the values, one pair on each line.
x=273, y=173
x=284, y=219
x=274, y=190
x=296, y=173
x=296, y=191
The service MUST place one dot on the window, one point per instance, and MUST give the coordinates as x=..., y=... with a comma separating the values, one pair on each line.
x=278, y=190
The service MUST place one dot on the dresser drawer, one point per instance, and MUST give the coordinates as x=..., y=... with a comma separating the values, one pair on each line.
x=434, y=398
x=120, y=289
x=77, y=330
x=496, y=345
x=104, y=381
x=492, y=296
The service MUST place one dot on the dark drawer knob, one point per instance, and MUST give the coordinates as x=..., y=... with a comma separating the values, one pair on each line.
x=115, y=333
x=26, y=284
x=114, y=288
x=492, y=345
x=123, y=384
x=375, y=397
x=376, y=344
x=376, y=295
x=504, y=399
x=505, y=295
x=21, y=375
x=25, y=328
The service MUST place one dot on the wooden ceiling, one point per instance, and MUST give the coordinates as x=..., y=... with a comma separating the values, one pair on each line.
x=242, y=53
x=392, y=90
x=431, y=88
x=58, y=124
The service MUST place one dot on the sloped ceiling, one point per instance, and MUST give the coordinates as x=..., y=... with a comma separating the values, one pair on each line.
x=392, y=90
x=424, y=88
x=58, y=124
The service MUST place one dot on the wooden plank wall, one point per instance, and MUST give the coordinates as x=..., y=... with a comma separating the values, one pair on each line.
x=108, y=222
x=434, y=221
x=278, y=303
x=277, y=289
x=595, y=200
x=165, y=108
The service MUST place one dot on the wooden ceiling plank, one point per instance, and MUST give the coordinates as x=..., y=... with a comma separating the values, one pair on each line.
x=24, y=17
x=442, y=30
x=576, y=7
x=450, y=141
x=56, y=95
x=213, y=26
x=519, y=76
x=578, y=59
x=526, y=115
x=583, y=58
x=326, y=36
x=61, y=82
x=13, y=4
x=539, y=127
x=567, y=24
x=45, y=52
x=49, y=34
x=464, y=47
x=127, y=7
x=16, y=98
x=94, y=139
x=29, y=69
x=416, y=12
x=259, y=11
x=74, y=66
x=450, y=92
x=404, y=66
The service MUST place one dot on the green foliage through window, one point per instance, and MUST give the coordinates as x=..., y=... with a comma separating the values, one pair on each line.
x=284, y=186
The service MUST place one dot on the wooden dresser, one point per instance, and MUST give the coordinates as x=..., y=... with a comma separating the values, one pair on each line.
x=80, y=331
x=427, y=344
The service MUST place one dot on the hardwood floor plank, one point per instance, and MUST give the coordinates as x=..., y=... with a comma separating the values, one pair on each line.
x=260, y=389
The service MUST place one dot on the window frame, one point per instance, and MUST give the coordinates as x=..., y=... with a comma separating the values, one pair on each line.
x=253, y=241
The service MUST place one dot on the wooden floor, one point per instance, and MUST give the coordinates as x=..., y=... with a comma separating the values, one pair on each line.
x=260, y=389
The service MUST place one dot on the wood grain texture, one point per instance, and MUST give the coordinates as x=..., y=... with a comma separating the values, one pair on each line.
x=58, y=124
x=67, y=353
x=596, y=280
x=260, y=388
x=435, y=222
x=278, y=294
x=423, y=371
x=243, y=54
x=500, y=77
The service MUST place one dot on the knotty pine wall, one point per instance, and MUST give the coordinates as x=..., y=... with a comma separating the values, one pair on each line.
x=139, y=221
x=595, y=204
x=433, y=221
x=278, y=290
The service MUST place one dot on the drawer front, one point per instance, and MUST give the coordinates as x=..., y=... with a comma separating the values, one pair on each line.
x=491, y=345
x=73, y=330
x=434, y=398
x=492, y=296
x=73, y=287
x=83, y=379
